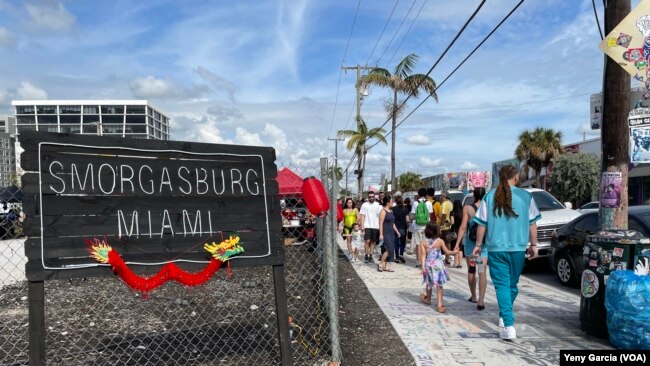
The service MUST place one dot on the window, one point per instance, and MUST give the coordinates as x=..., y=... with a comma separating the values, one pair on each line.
x=71, y=128
x=156, y=115
x=150, y=120
x=136, y=119
x=588, y=225
x=113, y=119
x=135, y=109
x=135, y=129
x=49, y=128
x=112, y=128
x=546, y=202
x=47, y=120
x=112, y=109
x=91, y=119
x=91, y=109
x=158, y=125
x=25, y=109
x=26, y=120
x=70, y=109
x=70, y=119
x=150, y=111
x=92, y=129
x=46, y=109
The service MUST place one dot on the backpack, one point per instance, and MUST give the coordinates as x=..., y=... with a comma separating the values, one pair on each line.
x=474, y=226
x=422, y=213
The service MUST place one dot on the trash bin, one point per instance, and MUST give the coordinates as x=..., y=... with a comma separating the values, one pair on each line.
x=604, y=252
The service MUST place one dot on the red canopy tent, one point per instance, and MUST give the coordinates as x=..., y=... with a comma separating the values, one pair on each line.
x=289, y=183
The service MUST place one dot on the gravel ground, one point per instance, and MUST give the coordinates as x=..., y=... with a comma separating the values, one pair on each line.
x=367, y=337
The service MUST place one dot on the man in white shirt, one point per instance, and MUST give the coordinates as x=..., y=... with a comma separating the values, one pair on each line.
x=369, y=223
x=418, y=230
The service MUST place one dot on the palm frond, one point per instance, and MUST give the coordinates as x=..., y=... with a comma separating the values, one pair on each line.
x=376, y=79
x=418, y=82
x=405, y=67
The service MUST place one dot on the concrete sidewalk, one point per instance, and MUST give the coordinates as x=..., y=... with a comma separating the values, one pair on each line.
x=547, y=319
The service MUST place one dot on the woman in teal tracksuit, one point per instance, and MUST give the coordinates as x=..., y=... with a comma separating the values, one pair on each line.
x=509, y=215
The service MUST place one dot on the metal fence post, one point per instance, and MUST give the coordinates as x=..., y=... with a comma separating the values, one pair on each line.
x=330, y=263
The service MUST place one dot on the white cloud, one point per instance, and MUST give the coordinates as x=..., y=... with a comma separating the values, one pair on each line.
x=430, y=163
x=468, y=165
x=6, y=38
x=28, y=90
x=152, y=87
x=222, y=113
x=418, y=140
x=51, y=17
x=217, y=81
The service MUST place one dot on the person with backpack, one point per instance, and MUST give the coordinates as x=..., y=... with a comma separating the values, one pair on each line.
x=510, y=215
x=467, y=235
x=420, y=216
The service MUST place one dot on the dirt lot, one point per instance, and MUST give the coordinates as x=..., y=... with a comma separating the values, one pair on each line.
x=367, y=337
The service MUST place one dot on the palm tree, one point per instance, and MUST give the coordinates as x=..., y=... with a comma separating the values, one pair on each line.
x=357, y=141
x=537, y=148
x=410, y=181
x=338, y=172
x=400, y=82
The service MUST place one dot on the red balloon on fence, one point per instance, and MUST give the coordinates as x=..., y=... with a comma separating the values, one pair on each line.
x=339, y=212
x=315, y=196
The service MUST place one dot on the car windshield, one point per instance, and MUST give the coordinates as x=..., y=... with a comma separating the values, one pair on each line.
x=546, y=202
x=591, y=205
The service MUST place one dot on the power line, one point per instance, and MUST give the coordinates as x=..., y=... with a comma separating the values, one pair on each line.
x=506, y=105
x=382, y=31
x=338, y=86
x=407, y=32
x=456, y=69
x=396, y=32
x=453, y=41
x=593, y=4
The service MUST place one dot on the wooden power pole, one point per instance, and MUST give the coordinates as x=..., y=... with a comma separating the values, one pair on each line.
x=615, y=131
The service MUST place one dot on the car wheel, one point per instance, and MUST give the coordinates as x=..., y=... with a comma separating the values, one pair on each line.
x=565, y=271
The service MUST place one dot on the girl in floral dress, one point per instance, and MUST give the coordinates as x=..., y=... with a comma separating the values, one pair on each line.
x=434, y=273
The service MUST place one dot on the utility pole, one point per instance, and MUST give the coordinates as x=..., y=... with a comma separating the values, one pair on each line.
x=362, y=151
x=615, y=132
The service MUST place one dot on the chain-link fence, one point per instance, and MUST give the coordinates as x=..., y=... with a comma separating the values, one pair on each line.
x=227, y=321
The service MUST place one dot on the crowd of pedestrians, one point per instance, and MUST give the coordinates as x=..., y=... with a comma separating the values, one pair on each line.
x=494, y=232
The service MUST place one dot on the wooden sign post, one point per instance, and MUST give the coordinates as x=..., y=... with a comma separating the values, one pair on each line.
x=154, y=202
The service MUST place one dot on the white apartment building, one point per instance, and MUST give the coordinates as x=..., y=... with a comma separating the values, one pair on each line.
x=119, y=118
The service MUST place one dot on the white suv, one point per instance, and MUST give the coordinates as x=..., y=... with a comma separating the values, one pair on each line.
x=554, y=215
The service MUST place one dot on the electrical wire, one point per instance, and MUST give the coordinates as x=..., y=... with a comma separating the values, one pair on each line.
x=453, y=41
x=396, y=32
x=506, y=105
x=382, y=31
x=593, y=4
x=407, y=32
x=338, y=86
x=456, y=69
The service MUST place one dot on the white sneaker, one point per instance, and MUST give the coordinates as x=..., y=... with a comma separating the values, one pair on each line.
x=508, y=333
x=501, y=325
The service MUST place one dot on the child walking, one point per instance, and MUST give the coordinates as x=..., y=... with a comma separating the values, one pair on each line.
x=357, y=242
x=434, y=273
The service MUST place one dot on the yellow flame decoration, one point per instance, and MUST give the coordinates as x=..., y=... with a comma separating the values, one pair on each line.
x=226, y=249
x=100, y=250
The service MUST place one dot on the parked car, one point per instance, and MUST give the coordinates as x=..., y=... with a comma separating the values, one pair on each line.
x=568, y=242
x=453, y=195
x=554, y=215
x=590, y=207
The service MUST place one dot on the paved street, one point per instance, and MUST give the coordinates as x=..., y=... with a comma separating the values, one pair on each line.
x=547, y=319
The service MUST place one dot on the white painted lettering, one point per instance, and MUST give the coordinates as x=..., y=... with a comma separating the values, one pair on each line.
x=189, y=185
x=122, y=222
x=59, y=178
x=202, y=181
x=89, y=172
x=124, y=178
x=166, y=224
x=197, y=223
x=165, y=180
x=140, y=180
x=254, y=182
x=236, y=181
x=99, y=178
x=214, y=183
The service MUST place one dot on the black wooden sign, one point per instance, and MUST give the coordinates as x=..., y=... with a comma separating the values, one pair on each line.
x=154, y=202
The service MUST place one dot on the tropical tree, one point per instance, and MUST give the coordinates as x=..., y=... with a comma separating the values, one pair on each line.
x=338, y=172
x=575, y=177
x=410, y=181
x=357, y=142
x=400, y=82
x=538, y=148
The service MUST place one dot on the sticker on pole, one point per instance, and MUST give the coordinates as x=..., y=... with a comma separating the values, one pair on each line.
x=610, y=189
x=589, y=284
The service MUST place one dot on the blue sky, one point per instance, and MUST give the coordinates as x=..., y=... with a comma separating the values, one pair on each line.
x=266, y=72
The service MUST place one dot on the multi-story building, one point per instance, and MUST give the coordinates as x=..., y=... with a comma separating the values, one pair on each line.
x=8, y=125
x=119, y=118
x=7, y=160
